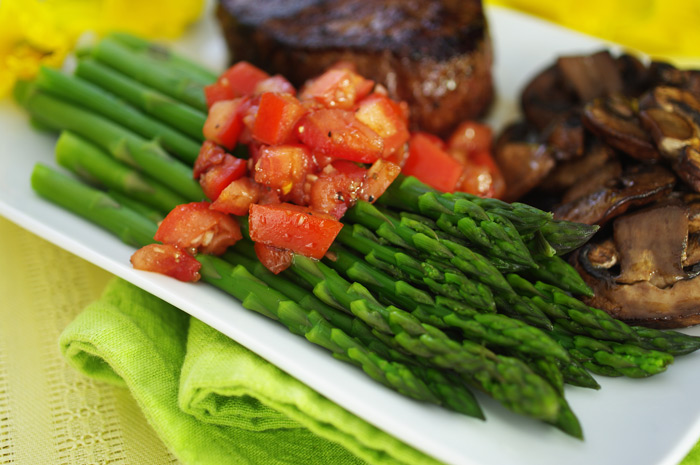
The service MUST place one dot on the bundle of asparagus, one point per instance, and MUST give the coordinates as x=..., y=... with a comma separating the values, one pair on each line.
x=431, y=294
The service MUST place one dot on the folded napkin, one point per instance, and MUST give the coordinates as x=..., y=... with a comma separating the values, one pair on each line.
x=211, y=400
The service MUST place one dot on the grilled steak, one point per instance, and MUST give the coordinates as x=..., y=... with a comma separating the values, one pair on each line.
x=434, y=54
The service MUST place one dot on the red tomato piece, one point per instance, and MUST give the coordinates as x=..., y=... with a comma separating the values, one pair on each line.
x=471, y=137
x=275, y=259
x=277, y=84
x=337, y=188
x=276, y=118
x=431, y=164
x=384, y=117
x=216, y=92
x=210, y=155
x=242, y=78
x=282, y=166
x=224, y=123
x=217, y=177
x=168, y=260
x=293, y=227
x=482, y=177
x=379, y=177
x=195, y=225
x=237, y=197
x=337, y=88
x=339, y=134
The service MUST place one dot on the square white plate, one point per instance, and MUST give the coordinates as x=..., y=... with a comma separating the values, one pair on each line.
x=644, y=422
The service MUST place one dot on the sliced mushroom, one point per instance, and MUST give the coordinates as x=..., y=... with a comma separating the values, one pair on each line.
x=615, y=120
x=668, y=75
x=635, y=75
x=545, y=98
x=591, y=76
x=566, y=136
x=652, y=287
x=638, y=185
x=605, y=175
x=567, y=173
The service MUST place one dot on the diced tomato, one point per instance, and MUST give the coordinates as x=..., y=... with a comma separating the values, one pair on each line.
x=471, y=137
x=337, y=88
x=482, y=177
x=276, y=118
x=242, y=78
x=337, y=188
x=224, y=123
x=431, y=164
x=168, y=260
x=379, y=177
x=237, y=197
x=384, y=117
x=277, y=84
x=195, y=225
x=217, y=177
x=282, y=166
x=275, y=259
x=293, y=227
x=210, y=155
x=216, y=92
x=339, y=134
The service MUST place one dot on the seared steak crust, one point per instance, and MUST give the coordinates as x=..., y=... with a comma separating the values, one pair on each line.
x=435, y=54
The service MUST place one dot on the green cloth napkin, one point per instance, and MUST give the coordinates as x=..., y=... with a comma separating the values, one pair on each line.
x=211, y=400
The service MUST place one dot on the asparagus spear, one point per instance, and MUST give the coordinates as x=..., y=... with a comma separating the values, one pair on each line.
x=157, y=104
x=124, y=145
x=96, y=99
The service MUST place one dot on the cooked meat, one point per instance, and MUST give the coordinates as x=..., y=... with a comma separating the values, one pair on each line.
x=436, y=55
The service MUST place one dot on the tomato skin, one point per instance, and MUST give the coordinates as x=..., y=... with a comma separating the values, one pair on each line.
x=237, y=197
x=224, y=123
x=471, y=137
x=339, y=134
x=337, y=188
x=379, y=177
x=218, y=176
x=277, y=84
x=242, y=78
x=276, y=118
x=482, y=177
x=386, y=118
x=282, y=166
x=339, y=87
x=431, y=164
x=274, y=259
x=196, y=226
x=216, y=92
x=210, y=155
x=293, y=227
x=168, y=260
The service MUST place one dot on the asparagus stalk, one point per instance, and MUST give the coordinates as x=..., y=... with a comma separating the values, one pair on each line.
x=96, y=99
x=176, y=114
x=122, y=144
x=91, y=163
x=150, y=73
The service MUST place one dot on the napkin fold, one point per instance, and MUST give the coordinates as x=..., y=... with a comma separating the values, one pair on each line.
x=211, y=400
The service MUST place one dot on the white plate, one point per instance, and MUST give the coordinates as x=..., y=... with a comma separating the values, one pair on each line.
x=653, y=421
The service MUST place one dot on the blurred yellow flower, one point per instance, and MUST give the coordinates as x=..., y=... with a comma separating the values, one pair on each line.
x=43, y=32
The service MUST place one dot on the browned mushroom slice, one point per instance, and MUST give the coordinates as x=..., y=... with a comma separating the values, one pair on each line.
x=567, y=173
x=692, y=252
x=638, y=185
x=591, y=76
x=668, y=75
x=615, y=120
x=605, y=175
x=652, y=288
x=635, y=75
x=545, y=97
x=565, y=135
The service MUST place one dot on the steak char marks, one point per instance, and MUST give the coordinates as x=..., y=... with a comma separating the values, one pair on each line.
x=434, y=54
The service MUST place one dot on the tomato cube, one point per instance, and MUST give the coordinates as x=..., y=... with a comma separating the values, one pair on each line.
x=431, y=164
x=277, y=84
x=210, y=155
x=282, y=166
x=274, y=259
x=293, y=227
x=216, y=92
x=482, y=177
x=337, y=188
x=195, y=225
x=224, y=123
x=242, y=78
x=386, y=118
x=168, y=260
x=217, y=177
x=237, y=197
x=337, y=88
x=379, y=177
x=276, y=118
x=339, y=134
x=471, y=137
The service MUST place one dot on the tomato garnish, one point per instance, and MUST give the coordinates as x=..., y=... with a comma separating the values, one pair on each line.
x=216, y=92
x=339, y=87
x=168, y=260
x=282, y=166
x=277, y=84
x=237, y=197
x=383, y=116
x=482, y=177
x=242, y=78
x=224, y=123
x=299, y=229
x=379, y=177
x=339, y=134
x=431, y=164
x=218, y=176
x=210, y=155
x=338, y=187
x=273, y=258
x=471, y=137
x=196, y=226
x=276, y=118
